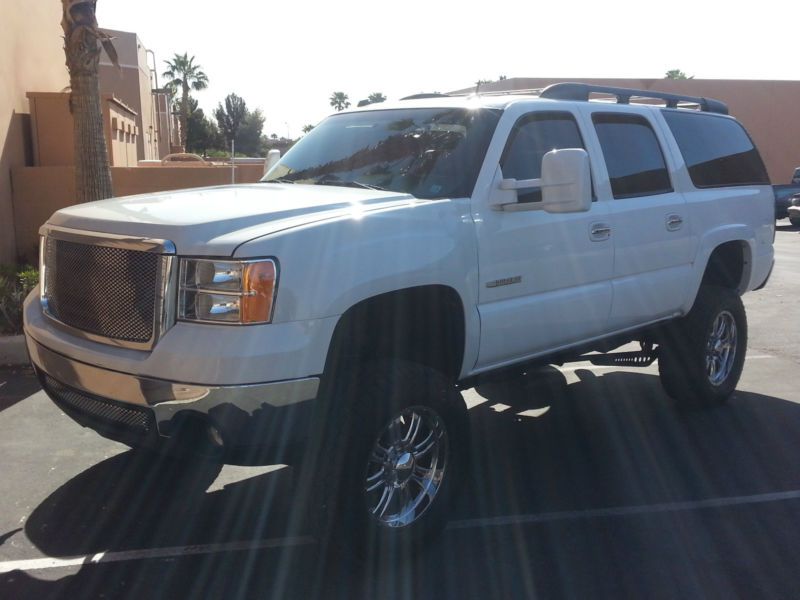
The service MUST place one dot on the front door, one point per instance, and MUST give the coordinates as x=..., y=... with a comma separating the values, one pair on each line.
x=545, y=279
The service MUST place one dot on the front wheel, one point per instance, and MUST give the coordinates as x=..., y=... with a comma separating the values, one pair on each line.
x=702, y=356
x=401, y=457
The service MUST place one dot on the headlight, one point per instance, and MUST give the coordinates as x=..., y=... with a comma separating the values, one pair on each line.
x=227, y=291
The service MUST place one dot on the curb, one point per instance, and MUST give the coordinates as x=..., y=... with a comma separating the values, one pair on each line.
x=13, y=351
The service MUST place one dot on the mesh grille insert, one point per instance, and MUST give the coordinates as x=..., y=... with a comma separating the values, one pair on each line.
x=105, y=291
x=133, y=418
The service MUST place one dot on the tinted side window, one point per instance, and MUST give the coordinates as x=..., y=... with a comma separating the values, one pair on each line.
x=633, y=156
x=534, y=136
x=717, y=150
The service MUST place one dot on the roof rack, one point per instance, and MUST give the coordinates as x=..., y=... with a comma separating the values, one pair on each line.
x=425, y=96
x=581, y=92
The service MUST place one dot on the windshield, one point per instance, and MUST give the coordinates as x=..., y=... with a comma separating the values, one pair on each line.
x=427, y=152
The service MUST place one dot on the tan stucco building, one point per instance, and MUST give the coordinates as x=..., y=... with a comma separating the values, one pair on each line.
x=31, y=58
x=770, y=110
x=135, y=84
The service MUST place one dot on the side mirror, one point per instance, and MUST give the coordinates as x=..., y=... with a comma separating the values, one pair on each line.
x=566, y=185
x=273, y=156
x=566, y=181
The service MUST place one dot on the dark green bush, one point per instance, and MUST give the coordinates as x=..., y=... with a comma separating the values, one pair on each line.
x=16, y=282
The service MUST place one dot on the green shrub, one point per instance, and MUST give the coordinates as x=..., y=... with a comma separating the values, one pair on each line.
x=16, y=282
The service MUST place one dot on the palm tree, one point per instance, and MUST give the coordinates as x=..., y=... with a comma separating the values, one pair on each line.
x=376, y=97
x=183, y=73
x=82, y=42
x=339, y=100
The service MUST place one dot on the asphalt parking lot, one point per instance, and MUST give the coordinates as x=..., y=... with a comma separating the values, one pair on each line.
x=586, y=483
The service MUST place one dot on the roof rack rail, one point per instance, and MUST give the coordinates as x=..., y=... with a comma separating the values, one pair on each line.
x=425, y=95
x=581, y=92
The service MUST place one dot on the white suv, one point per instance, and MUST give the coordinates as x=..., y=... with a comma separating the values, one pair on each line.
x=395, y=255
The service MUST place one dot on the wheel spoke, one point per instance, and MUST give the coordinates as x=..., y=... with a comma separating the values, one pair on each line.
x=379, y=454
x=428, y=444
x=429, y=487
x=383, y=503
x=375, y=486
x=413, y=428
x=375, y=475
x=719, y=327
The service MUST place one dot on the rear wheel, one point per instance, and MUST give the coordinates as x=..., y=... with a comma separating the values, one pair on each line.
x=702, y=356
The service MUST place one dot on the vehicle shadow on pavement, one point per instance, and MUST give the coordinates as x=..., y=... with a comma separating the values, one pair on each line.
x=543, y=450
x=16, y=384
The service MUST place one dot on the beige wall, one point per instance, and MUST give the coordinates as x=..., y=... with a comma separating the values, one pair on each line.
x=31, y=58
x=52, y=130
x=40, y=191
x=770, y=110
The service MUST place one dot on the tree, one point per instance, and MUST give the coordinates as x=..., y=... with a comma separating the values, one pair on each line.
x=676, y=74
x=201, y=133
x=82, y=43
x=183, y=73
x=307, y=128
x=376, y=97
x=339, y=100
x=230, y=116
x=241, y=125
x=248, y=139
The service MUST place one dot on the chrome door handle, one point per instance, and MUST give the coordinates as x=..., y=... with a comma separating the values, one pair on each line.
x=674, y=222
x=600, y=231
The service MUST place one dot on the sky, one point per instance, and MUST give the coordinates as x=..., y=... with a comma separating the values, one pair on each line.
x=288, y=58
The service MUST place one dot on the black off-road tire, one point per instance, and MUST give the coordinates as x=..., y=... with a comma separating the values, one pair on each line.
x=686, y=347
x=363, y=405
x=795, y=221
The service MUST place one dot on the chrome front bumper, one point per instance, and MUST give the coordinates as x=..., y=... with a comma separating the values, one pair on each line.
x=230, y=408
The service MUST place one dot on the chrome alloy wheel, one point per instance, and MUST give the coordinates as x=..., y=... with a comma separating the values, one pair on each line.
x=721, y=348
x=406, y=467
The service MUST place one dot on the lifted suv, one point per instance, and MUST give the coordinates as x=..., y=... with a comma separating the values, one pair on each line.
x=397, y=254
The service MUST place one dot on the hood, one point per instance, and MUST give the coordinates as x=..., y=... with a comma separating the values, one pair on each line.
x=214, y=221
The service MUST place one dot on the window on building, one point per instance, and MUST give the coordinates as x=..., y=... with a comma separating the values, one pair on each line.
x=533, y=136
x=633, y=155
x=717, y=150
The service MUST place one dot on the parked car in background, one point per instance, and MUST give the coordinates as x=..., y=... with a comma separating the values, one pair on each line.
x=794, y=210
x=783, y=199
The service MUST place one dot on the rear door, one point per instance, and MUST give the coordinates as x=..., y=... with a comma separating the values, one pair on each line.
x=649, y=219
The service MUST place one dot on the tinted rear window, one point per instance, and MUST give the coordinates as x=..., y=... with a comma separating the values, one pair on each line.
x=717, y=150
x=633, y=155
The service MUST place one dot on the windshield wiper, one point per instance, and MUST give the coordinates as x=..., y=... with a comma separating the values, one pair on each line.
x=278, y=180
x=351, y=183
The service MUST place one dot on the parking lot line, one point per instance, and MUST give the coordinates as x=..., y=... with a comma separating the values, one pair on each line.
x=622, y=511
x=37, y=564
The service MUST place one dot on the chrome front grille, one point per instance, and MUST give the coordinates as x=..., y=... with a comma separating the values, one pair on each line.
x=107, y=288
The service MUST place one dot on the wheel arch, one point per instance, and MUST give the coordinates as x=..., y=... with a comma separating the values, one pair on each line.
x=424, y=324
x=725, y=258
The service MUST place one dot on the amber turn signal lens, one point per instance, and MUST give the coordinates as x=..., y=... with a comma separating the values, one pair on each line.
x=258, y=279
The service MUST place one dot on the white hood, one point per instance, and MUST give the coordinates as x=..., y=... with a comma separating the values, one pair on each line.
x=214, y=221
